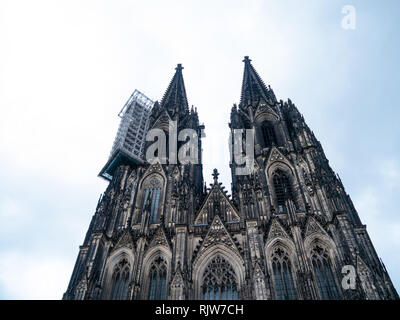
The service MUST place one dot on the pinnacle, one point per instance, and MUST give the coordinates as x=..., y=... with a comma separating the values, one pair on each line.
x=246, y=59
x=215, y=175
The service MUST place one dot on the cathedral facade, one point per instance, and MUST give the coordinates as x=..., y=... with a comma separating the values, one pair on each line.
x=289, y=230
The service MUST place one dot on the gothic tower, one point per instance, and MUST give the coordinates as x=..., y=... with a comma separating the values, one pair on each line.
x=287, y=232
x=137, y=240
x=304, y=225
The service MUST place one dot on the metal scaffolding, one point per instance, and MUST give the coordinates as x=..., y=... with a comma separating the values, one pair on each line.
x=130, y=140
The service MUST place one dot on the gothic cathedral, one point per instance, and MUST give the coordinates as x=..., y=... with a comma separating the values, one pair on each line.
x=287, y=232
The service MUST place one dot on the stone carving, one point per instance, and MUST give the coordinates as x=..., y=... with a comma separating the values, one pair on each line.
x=277, y=230
x=313, y=227
x=217, y=234
x=159, y=239
x=125, y=241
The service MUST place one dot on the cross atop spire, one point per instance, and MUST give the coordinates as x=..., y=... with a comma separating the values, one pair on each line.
x=254, y=89
x=246, y=59
x=175, y=99
x=215, y=175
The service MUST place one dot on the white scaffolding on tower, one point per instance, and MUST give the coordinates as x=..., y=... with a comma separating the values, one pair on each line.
x=130, y=140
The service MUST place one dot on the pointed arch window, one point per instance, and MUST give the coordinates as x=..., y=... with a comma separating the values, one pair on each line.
x=283, y=275
x=158, y=280
x=219, y=281
x=323, y=274
x=283, y=190
x=120, y=280
x=269, y=135
x=152, y=199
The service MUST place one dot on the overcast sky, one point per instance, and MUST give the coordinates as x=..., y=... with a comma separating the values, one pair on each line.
x=67, y=68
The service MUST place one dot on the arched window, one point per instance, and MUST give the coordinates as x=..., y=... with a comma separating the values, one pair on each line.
x=120, y=280
x=282, y=275
x=152, y=199
x=158, y=280
x=269, y=136
x=283, y=190
x=219, y=281
x=323, y=274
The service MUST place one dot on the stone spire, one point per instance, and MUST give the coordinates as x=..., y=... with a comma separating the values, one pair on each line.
x=254, y=90
x=175, y=100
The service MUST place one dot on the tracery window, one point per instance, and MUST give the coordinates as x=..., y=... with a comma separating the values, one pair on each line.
x=323, y=274
x=158, y=280
x=282, y=275
x=219, y=281
x=283, y=190
x=269, y=135
x=152, y=199
x=120, y=280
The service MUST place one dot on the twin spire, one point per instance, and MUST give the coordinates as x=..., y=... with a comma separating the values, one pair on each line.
x=254, y=90
x=175, y=99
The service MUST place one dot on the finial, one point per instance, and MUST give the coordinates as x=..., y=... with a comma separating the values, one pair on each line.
x=215, y=176
x=246, y=59
x=179, y=67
